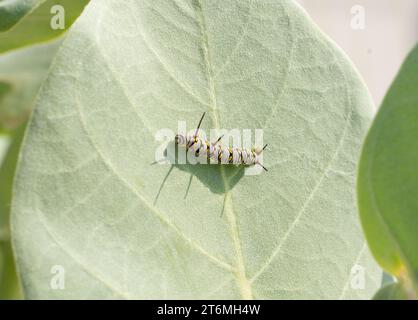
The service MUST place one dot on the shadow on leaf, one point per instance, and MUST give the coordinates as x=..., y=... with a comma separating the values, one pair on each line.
x=210, y=175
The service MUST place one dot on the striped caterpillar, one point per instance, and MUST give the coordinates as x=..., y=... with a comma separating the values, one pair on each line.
x=216, y=153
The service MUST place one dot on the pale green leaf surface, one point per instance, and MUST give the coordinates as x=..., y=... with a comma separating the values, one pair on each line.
x=36, y=26
x=21, y=75
x=12, y=11
x=388, y=177
x=85, y=190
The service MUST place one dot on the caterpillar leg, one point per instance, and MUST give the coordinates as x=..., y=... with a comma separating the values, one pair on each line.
x=191, y=140
x=200, y=122
x=259, y=151
x=188, y=186
x=162, y=185
x=261, y=166
x=219, y=139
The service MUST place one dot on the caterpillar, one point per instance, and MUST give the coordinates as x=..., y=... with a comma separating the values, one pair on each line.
x=217, y=153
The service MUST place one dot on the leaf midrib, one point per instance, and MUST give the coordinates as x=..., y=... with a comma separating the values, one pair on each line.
x=240, y=274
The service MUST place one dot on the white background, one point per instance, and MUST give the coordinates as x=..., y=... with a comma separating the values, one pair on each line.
x=391, y=31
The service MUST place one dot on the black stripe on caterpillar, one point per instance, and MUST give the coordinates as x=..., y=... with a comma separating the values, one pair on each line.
x=216, y=153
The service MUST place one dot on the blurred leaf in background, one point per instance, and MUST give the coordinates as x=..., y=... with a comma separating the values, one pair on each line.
x=9, y=288
x=21, y=75
x=388, y=183
x=36, y=26
x=387, y=279
x=23, y=23
x=393, y=291
x=12, y=11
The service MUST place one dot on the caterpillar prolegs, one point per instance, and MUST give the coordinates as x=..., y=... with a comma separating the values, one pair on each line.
x=216, y=152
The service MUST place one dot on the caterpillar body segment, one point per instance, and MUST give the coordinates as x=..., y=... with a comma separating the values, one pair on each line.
x=216, y=152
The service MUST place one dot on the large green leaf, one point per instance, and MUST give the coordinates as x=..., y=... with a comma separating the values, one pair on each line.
x=36, y=26
x=21, y=75
x=388, y=179
x=12, y=11
x=85, y=191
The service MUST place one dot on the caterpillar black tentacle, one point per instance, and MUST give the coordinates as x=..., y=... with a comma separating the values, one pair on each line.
x=217, y=153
